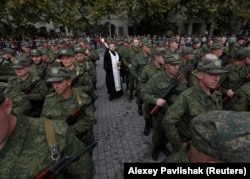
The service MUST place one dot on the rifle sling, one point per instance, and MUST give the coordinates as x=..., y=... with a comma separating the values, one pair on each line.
x=51, y=139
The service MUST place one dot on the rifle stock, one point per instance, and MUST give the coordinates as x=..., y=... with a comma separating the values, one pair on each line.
x=75, y=80
x=31, y=86
x=57, y=168
x=72, y=118
x=46, y=173
x=240, y=83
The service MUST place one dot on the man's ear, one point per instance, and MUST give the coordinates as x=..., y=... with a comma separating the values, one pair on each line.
x=7, y=105
x=199, y=75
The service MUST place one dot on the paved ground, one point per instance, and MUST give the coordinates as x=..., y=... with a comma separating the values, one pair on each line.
x=120, y=131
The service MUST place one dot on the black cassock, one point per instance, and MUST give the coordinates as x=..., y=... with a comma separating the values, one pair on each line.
x=111, y=79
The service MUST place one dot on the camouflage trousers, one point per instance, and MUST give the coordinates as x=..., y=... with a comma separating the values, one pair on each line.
x=159, y=137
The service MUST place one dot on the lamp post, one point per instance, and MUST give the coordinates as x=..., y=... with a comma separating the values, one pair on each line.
x=109, y=24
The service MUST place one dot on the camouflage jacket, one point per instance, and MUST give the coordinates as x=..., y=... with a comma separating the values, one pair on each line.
x=85, y=82
x=36, y=96
x=228, y=80
x=37, y=70
x=6, y=71
x=57, y=108
x=27, y=153
x=241, y=99
x=189, y=104
x=90, y=67
x=128, y=57
x=147, y=72
x=138, y=63
x=155, y=88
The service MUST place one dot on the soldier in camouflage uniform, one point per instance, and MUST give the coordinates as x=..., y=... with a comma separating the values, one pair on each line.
x=23, y=81
x=38, y=67
x=65, y=100
x=198, y=51
x=25, y=48
x=196, y=100
x=83, y=61
x=173, y=46
x=53, y=53
x=240, y=100
x=218, y=136
x=24, y=147
x=6, y=70
x=127, y=61
x=217, y=49
x=91, y=53
x=84, y=83
x=186, y=58
x=138, y=63
x=147, y=72
x=152, y=93
x=237, y=70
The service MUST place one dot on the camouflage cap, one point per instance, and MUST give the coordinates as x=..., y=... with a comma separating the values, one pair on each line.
x=172, y=59
x=217, y=46
x=210, y=66
x=58, y=74
x=231, y=41
x=147, y=43
x=61, y=41
x=83, y=40
x=25, y=44
x=242, y=53
x=79, y=49
x=53, y=43
x=187, y=51
x=22, y=62
x=159, y=51
x=196, y=40
x=65, y=52
x=223, y=135
x=9, y=51
x=39, y=44
x=173, y=39
x=35, y=52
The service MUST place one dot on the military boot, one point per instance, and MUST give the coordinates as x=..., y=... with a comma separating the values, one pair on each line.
x=140, y=111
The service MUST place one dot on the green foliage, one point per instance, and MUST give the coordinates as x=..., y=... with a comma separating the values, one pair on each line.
x=145, y=16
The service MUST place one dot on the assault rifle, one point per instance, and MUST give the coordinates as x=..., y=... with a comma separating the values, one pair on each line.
x=31, y=86
x=34, y=83
x=226, y=102
x=72, y=118
x=171, y=88
x=43, y=74
x=75, y=80
x=56, y=169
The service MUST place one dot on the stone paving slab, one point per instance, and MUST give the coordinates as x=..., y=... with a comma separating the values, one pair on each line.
x=120, y=131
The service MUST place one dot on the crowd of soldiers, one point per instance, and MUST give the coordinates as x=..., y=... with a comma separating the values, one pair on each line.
x=175, y=82
x=55, y=81
x=172, y=82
